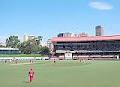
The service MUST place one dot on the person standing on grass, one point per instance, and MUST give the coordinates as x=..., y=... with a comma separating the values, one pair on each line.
x=31, y=75
x=54, y=61
x=16, y=61
x=30, y=61
x=5, y=61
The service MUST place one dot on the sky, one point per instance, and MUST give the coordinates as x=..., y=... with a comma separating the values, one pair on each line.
x=47, y=18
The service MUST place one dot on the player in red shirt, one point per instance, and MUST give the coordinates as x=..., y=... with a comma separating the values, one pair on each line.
x=31, y=75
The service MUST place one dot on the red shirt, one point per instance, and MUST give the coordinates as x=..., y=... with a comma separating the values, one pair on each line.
x=31, y=73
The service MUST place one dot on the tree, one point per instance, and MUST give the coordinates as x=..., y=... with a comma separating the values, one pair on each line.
x=33, y=46
x=25, y=47
x=12, y=41
x=2, y=46
x=44, y=50
x=30, y=46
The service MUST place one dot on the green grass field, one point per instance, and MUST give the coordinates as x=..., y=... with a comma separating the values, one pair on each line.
x=62, y=74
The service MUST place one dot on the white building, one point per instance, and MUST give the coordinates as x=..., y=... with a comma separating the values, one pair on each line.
x=26, y=38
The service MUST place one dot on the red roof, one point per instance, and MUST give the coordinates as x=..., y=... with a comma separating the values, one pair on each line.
x=88, y=38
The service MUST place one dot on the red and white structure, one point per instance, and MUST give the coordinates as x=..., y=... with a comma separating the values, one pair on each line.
x=86, y=47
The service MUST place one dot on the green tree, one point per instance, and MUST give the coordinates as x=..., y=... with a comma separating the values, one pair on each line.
x=44, y=50
x=25, y=47
x=2, y=46
x=30, y=46
x=12, y=41
x=33, y=46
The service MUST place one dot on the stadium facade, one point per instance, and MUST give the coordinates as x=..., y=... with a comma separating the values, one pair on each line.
x=9, y=51
x=89, y=47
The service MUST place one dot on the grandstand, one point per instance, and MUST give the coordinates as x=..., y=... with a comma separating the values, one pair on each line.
x=89, y=47
x=9, y=51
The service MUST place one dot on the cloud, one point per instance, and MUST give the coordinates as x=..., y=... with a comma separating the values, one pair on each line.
x=100, y=5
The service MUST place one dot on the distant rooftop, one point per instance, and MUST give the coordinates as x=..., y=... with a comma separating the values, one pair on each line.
x=88, y=38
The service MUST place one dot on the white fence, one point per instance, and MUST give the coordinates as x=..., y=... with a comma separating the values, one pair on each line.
x=24, y=58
